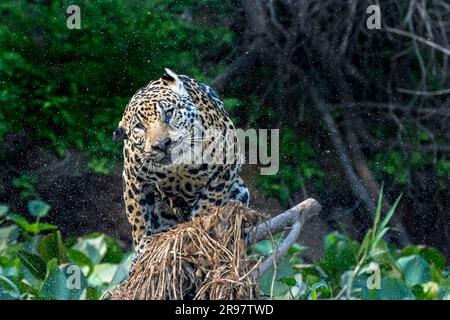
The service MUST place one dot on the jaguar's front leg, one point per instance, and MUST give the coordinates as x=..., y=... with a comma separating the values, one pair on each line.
x=139, y=199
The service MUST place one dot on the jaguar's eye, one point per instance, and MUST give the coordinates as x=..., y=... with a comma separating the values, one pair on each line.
x=169, y=113
x=139, y=126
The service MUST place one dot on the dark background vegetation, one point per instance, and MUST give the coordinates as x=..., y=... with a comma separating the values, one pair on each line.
x=357, y=108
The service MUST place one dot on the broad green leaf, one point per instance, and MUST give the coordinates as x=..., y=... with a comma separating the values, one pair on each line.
x=34, y=263
x=264, y=247
x=55, y=284
x=8, y=290
x=95, y=248
x=81, y=260
x=52, y=247
x=8, y=236
x=284, y=271
x=103, y=274
x=123, y=269
x=415, y=270
x=340, y=253
x=390, y=289
x=38, y=208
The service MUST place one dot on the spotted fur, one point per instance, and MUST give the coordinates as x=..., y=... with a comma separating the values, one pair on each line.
x=159, y=192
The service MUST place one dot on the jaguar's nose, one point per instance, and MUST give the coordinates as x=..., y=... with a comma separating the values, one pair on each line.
x=162, y=145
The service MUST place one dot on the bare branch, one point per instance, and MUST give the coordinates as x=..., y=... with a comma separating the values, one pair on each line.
x=429, y=43
x=355, y=183
x=424, y=93
x=301, y=212
x=293, y=218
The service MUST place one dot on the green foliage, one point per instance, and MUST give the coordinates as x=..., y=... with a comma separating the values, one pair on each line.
x=26, y=184
x=299, y=166
x=350, y=270
x=68, y=88
x=399, y=164
x=36, y=263
x=38, y=208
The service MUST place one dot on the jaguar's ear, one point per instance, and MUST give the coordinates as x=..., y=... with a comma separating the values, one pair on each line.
x=119, y=134
x=174, y=81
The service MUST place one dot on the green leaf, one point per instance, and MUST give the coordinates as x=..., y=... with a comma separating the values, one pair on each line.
x=430, y=254
x=365, y=244
x=379, y=236
x=20, y=221
x=8, y=236
x=264, y=247
x=284, y=271
x=39, y=227
x=3, y=210
x=415, y=270
x=296, y=248
x=93, y=247
x=55, y=283
x=444, y=292
x=38, y=208
x=378, y=211
x=390, y=289
x=103, y=274
x=390, y=213
x=81, y=260
x=313, y=294
x=52, y=247
x=123, y=269
x=316, y=293
x=8, y=290
x=34, y=263
x=34, y=228
x=411, y=250
x=289, y=281
x=114, y=253
x=340, y=253
x=93, y=293
x=433, y=256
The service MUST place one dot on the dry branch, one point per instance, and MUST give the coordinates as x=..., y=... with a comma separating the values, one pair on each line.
x=295, y=218
x=427, y=42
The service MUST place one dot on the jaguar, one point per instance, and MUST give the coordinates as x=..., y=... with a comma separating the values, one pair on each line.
x=176, y=132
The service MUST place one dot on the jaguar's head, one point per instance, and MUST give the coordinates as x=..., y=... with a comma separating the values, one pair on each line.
x=158, y=123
